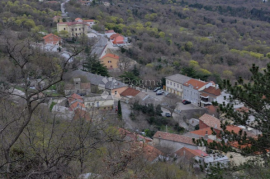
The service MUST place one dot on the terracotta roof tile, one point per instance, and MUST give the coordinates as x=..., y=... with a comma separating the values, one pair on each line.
x=110, y=55
x=114, y=36
x=174, y=137
x=195, y=83
x=118, y=40
x=130, y=92
x=190, y=153
x=236, y=129
x=212, y=90
x=77, y=105
x=75, y=96
x=49, y=35
x=202, y=132
x=150, y=152
x=210, y=121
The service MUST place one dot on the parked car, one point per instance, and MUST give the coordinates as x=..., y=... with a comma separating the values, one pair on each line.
x=168, y=114
x=156, y=89
x=159, y=92
x=186, y=102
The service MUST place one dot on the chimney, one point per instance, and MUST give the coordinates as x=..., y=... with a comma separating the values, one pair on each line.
x=206, y=135
x=217, y=86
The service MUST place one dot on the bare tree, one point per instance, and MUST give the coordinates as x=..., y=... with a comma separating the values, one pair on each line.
x=170, y=102
x=29, y=63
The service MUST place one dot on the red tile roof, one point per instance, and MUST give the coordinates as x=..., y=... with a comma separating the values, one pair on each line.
x=150, y=152
x=49, y=35
x=74, y=97
x=195, y=83
x=203, y=131
x=210, y=121
x=78, y=19
x=130, y=92
x=118, y=40
x=190, y=153
x=212, y=90
x=110, y=55
x=236, y=130
x=174, y=137
x=114, y=36
x=76, y=105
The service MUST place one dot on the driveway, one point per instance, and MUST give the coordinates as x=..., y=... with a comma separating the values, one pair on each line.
x=129, y=124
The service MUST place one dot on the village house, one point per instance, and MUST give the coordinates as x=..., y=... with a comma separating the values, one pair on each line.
x=174, y=83
x=192, y=89
x=109, y=33
x=111, y=61
x=52, y=39
x=75, y=101
x=209, y=95
x=90, y=22
x=129, y=94
x=98, y=83
x=99, y=102
x=188, y=155
x=207, y=121
x=74, y=29
x=117, y=39
x=173, y=142
x=198, y=157
x=78, y=87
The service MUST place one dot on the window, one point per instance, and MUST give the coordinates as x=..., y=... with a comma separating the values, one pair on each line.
x=170, y=83
x=79, y=28
x=167, y=82
x=76, y=29
x=115, y=92
x=177, y=85
x=72, y=29
x=173, y=84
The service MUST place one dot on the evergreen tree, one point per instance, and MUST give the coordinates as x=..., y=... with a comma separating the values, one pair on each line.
x=135, y=71
x=158, y=110
x=119, y=109
x=93, y=65
x=255, y=95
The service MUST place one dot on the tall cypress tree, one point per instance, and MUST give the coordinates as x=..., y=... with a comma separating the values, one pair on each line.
x=119, y=109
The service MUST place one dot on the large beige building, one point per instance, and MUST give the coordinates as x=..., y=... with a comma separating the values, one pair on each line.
x=74, y=29
x=174, y=83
